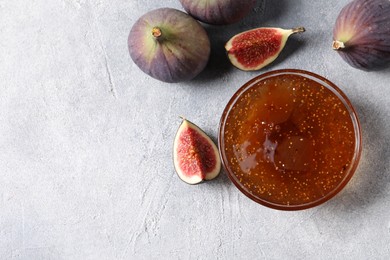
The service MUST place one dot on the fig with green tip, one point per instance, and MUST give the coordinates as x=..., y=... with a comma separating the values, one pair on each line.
x=218, y=12
x=256, y=48
x=361, y=34
x=195, y=155
x=169, y=45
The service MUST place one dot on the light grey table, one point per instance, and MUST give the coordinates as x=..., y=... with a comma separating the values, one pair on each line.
x=86, y=138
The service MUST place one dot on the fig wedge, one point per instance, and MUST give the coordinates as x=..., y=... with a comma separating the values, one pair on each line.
x=195, y=155
x=256, y=48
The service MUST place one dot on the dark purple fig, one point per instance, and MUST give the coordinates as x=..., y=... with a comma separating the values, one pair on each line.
x=195, y=155
x=362, y=34
x=169, y=45
x=218, y=11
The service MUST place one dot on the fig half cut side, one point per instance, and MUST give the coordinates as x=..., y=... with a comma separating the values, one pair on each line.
x=195, y=155
x=256, y=48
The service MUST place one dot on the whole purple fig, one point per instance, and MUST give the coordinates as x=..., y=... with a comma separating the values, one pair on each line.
x=169, y=45
x=362, y=34
x=218, y=11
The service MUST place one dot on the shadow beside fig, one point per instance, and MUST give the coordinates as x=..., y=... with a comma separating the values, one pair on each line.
x=294, y=43
x=271, y=10
x=218, y=63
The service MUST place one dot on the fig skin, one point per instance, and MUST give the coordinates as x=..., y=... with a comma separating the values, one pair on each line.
x=254, y=49
x=169, y=45
x=361, y=34
x=218, y=12
x=193, y=150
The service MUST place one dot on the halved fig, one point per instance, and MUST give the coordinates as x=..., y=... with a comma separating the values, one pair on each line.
x=195, y=155
x=256, y=48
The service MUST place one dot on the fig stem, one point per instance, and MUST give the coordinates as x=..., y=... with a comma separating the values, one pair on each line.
x=338, y=45
x=156, y=32
x=298, y=30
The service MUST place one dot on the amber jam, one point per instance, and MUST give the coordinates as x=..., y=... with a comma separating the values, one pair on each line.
x=289, y=139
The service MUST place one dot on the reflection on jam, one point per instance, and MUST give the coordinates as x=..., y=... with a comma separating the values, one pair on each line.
x=290, y=140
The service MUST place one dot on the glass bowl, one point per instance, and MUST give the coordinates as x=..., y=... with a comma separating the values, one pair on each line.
x=289, y=139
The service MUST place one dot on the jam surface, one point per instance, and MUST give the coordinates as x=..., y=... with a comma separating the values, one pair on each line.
x=289, y=140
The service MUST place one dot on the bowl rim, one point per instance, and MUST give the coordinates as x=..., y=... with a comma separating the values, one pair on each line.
x=329, y=85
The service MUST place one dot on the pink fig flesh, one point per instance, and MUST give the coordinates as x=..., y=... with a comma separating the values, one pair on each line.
x=255, y=49
x=195, y=155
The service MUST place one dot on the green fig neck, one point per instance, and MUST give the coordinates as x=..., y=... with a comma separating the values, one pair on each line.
x=298, y=30
x=157, y=33
x=337, y=45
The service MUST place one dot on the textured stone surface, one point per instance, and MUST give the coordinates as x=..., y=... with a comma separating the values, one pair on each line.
x=86, y=168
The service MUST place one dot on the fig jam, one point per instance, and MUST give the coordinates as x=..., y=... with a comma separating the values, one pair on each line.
x=288, y=140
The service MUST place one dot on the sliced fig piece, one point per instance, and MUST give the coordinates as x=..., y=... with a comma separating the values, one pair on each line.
x=256, y=48
x=195, y=155
x=361, y=34
x=218, y=12
x=169, y=45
